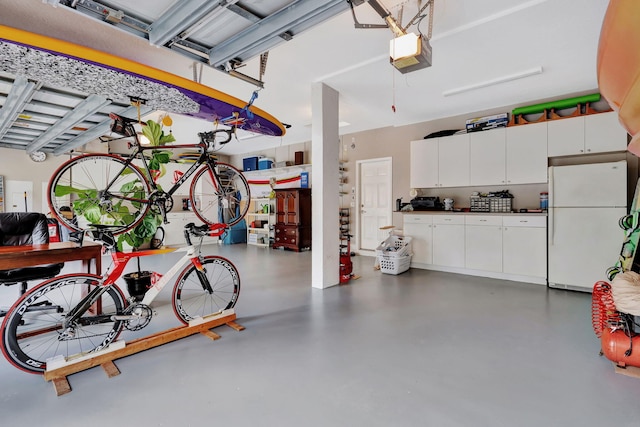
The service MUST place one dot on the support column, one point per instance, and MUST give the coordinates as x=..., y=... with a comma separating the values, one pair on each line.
x=325, y=149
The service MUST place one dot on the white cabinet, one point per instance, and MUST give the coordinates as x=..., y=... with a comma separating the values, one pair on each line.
x=448, y=240
x=453, y=161
x=526, y=154
x=603, y=132
x=512, y=247
x=487, y=157
x=174, y=230
x=424, y=163
x=524, y=242
x=483, y=243
x=595, y=133
x=440, y=162
x=420, y=229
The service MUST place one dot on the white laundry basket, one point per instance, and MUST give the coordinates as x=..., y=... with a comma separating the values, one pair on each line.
x=394, y=254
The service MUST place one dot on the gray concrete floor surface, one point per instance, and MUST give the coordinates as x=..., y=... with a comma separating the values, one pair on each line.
x=423, y=348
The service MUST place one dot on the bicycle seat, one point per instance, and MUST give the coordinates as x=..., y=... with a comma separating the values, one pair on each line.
x=103, y=233
x=122, y=125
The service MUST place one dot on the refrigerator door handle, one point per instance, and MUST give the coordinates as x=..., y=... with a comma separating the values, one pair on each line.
x=551, y=207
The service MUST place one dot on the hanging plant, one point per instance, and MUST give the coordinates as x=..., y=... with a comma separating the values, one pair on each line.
x=154, y=132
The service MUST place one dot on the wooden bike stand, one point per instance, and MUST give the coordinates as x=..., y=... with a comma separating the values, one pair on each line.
x=58, y=375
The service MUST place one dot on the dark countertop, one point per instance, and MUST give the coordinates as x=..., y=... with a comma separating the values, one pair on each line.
x=473, y=213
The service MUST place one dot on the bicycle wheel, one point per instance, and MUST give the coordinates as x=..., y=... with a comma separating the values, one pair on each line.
x=98, y=189
x=226, y=203
x=32, y=330
x=190, y=298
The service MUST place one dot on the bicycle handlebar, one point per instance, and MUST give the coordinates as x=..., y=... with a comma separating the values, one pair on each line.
x=215, y=230
x=211, y=137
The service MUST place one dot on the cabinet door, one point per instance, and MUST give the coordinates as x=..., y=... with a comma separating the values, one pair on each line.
x=424, y=163
x=448, y=245
x=453, y=161
x=525, y=251
x=565, y=136
x=487, y=157
x=483, y=242
x=526, y=153
x=419, y=228
x=603, y=133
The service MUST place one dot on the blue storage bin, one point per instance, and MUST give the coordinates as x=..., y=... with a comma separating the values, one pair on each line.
x=265, y=163
x=250, y=163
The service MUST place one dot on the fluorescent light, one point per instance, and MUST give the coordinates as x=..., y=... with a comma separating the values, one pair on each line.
x=503, y=79
x=89, y=106
x=97, y=131
x=18, y=96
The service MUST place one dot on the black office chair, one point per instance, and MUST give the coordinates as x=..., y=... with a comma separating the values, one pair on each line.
x=25, y=228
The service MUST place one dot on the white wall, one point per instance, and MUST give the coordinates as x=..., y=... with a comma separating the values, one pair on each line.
x=15, y=165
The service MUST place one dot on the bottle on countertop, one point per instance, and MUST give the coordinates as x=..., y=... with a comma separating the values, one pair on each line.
x=544, y=200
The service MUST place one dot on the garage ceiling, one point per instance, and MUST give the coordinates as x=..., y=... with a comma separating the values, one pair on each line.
x=475, y=44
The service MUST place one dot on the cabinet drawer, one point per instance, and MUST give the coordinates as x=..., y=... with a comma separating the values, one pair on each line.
x=418, y=219
x=448, y=219
x=483, y=220
x=524, y=221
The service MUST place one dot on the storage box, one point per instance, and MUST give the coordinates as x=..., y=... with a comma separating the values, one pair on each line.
x=487, y=122
x=265, y=163
x=299, y=157
x=250, y=163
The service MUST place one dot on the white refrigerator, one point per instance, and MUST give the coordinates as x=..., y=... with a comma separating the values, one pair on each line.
x=585, y=204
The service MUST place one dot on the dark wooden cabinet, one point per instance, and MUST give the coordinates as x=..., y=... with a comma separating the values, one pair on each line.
x=293, y=219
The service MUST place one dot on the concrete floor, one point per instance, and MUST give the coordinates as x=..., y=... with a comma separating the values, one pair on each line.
x=419, y=349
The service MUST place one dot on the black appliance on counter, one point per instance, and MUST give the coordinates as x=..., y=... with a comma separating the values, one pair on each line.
x=427, y=204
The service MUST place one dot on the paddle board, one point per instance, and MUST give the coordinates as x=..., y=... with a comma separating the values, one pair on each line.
x=63, y=64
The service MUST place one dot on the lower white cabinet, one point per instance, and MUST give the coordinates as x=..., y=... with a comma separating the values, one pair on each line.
x=420, y=228
x=174, y=230
x=524, y=240
x=448, y=240
x=483, y=243
x=510, y=247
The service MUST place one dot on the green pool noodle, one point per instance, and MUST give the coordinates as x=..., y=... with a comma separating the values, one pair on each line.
x=559, y=105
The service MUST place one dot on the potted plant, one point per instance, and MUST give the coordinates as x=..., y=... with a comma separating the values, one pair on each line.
x=146, y=230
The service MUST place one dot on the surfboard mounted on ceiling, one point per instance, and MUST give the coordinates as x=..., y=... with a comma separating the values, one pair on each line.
x=619, y=65
x=62, y=64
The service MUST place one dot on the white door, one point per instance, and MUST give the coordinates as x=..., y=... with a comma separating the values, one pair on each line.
x=374, y=183
x=453, y=161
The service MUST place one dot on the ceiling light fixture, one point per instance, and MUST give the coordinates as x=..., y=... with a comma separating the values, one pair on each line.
x=407, y=51
x=19, y=95
x=410, y=52
x=492, y=82
x=89, y=106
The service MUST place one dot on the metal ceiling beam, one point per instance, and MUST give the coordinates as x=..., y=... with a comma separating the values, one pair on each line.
x=181, y=16
x=19, y=95
x=268, y=30
x=97, y=131
x=89, y=106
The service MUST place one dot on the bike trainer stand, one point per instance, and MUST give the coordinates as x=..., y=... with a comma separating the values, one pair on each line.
x=58, y=370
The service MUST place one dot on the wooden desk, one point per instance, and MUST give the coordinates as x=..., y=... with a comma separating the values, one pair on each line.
x=27, y=256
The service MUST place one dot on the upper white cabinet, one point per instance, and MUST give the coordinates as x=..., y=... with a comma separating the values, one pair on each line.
x=526, y=153
x=487, y=157
x=440, y=162
x=424, y=163
x=453, y=159
x=595, y=133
